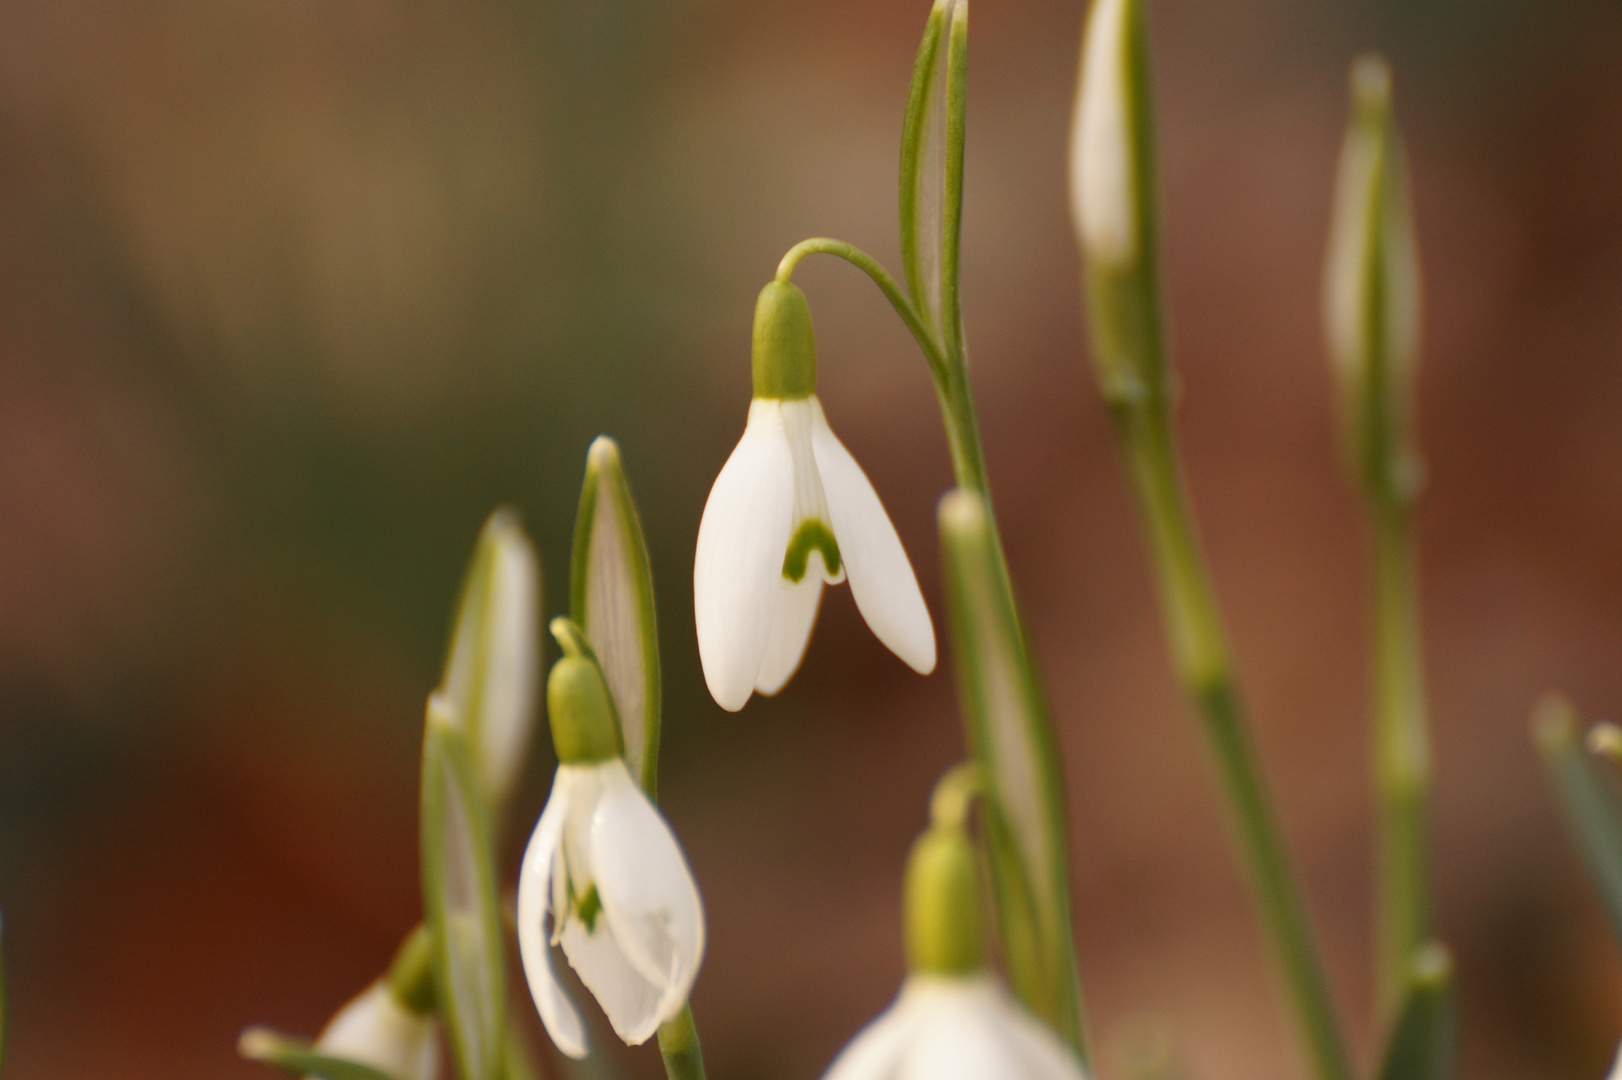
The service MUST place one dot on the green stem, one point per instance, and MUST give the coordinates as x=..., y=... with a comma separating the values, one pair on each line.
x=1401, y=753
x=678, y=1042
x=1200, y=653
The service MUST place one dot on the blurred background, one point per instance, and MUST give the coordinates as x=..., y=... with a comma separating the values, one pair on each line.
x=293, y=293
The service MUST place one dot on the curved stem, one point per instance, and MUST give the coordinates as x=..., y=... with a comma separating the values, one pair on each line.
x=948, y=370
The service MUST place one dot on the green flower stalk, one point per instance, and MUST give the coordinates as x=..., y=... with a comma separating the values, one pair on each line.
x=1113, y=189
x=1371, y=308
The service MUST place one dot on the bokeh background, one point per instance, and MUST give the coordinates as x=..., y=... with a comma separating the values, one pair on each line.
x=293, y=293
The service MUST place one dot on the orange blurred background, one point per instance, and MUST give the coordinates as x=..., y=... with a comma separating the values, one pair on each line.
x=293, y=293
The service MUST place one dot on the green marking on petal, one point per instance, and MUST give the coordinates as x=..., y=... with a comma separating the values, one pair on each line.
x=812, y=535
x=588, y=907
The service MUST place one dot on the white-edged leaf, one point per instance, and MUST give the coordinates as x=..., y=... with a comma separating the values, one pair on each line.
x=459, y=896
x=611, y=598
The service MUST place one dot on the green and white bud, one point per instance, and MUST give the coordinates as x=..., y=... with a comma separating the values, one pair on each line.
x=611, y=599
x=585, y=724
x=1104, y=142
x=1113, y=203
x=1372, y=290
x=491, y=672
x=785, y=347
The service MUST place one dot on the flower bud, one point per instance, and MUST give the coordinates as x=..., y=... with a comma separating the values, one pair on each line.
x=1371, y=289
x=785, y=348
x=490, y=674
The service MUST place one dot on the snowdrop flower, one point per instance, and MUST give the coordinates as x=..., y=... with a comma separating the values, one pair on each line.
x=377, y=1029
x=952, y=1020
x=790, y=512
x=603, y=876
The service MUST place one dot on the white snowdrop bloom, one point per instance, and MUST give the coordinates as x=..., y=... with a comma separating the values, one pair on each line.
x=953, y=1027
x=953, y=1020
x=791, y=511
x=604, y=878
x=376, y=1029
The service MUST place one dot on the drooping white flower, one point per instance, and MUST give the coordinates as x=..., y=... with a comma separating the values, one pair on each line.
x=376, y=1029
x=947, y=1027
x=790, y=512
x=604, y=878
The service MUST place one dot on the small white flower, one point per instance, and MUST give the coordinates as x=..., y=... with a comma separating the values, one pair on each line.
x=375, y=1029
x=604, y=877
x=947, y=1027
x=790, y=511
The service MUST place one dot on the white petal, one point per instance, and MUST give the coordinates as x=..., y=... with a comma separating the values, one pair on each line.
x=536, y=881
x=1042, y=1054
x=959, y=1034
x=647, y=890
x=876, y=1051
x=881, y=578
x=741, y=541
x=794, y=615
x=374, y=1029
x=630, y=1001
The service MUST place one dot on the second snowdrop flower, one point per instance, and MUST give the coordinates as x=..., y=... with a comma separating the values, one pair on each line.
x=603, y=876
x=790, y=512
x=953, y=1019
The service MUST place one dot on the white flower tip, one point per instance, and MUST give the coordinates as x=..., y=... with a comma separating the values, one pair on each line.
x=604, y=453
x=1102, y=184
x=1371, y=81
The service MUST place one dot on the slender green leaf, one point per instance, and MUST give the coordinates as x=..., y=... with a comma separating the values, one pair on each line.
x=1592, y=809
x=296, y=1058
x=492, y=669
x=932, y=169
x=1421, y=1046
x=459, y=896
x=1012, y=738
x=611, y=599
